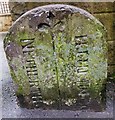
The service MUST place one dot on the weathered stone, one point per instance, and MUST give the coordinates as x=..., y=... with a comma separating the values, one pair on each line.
x=58, y=57
x=111, y=45
x=5, y=22
x=95, y=7
x=107, y=19
x=111, y=58
x=111, y=52
x=111, y=71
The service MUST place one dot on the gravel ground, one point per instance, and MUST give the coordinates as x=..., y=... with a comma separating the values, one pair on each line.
x=10, y=109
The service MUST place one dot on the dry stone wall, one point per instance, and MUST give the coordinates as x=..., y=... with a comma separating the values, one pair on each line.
x=5, y=22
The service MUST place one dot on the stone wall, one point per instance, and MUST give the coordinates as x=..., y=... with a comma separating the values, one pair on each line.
x=103, y=11
x=5, y=22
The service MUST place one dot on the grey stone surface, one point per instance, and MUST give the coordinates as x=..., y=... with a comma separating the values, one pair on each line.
x=10, y=109
x=58, y=58
x=103, y=11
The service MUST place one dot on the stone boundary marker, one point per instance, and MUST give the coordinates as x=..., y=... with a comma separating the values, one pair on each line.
x=103, y=11
x=58, y=58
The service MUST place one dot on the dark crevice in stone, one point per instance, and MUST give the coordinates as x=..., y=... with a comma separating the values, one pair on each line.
x=50, y=15
x=43, y=24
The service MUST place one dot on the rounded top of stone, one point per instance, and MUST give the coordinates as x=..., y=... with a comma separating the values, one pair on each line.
x=58, y=7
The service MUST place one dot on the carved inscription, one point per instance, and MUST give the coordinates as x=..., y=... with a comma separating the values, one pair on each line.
x=82, y=64
x=31, y=69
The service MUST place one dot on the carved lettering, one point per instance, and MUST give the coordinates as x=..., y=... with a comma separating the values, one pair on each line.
x=82, y=63
x=27, y=43
x=28, y=49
